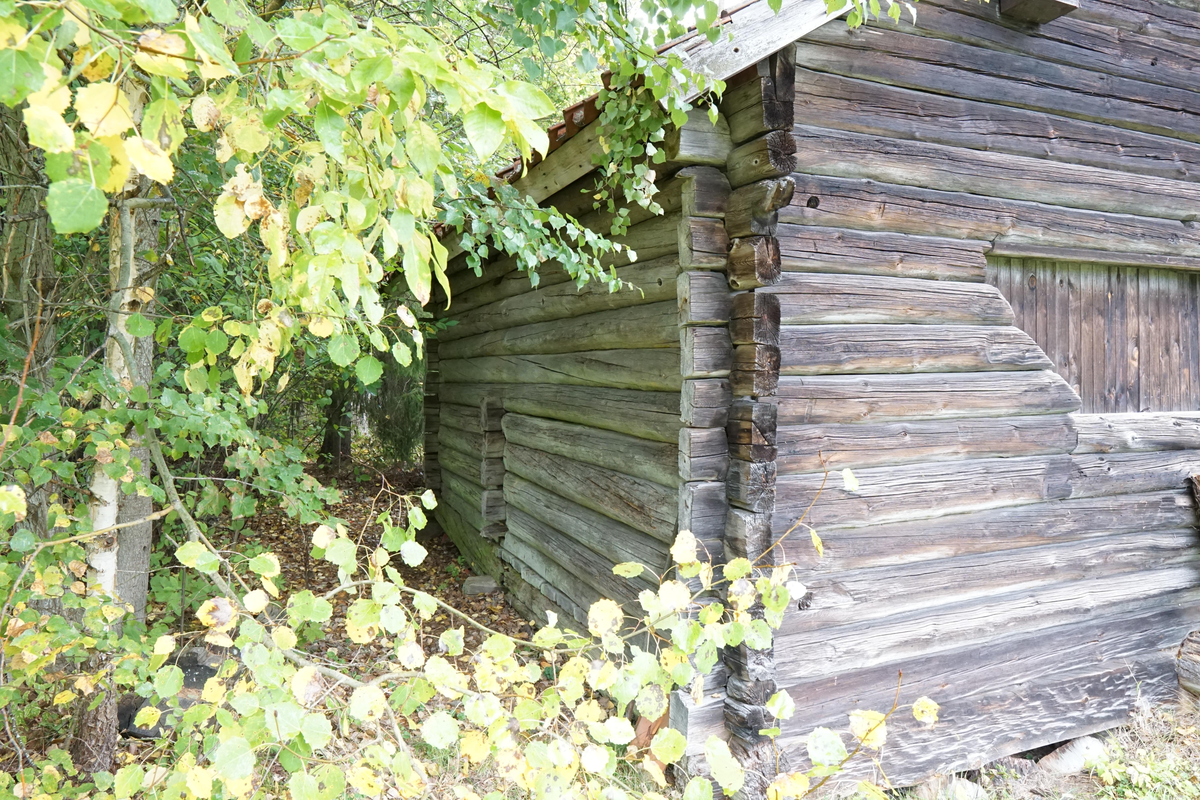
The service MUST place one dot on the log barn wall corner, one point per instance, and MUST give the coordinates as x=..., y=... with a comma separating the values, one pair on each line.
x=958, y=256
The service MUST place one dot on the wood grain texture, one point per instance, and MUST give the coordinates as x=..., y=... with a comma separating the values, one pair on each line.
x=813, y=448
x=880, y=398
x=705, y=352
x=805, y=248
x=641, y=458
x=826, y=349
x=769, y=156
x=638, y=503
x=1124, y=433
x=703, y=454
x=703, y=508
x=649, y=370
x=813, y=299
x=704, y=298
x=868, y=205
x=705, y=403
x=484, y=472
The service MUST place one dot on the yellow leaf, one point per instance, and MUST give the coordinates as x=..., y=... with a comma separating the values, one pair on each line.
x=604, y=618
x=284, y=638
x=54, y=94
x=789, y=786
x=684, y=549
x=219, y=639
x=870, y=791
x=849, y=482
x=305, y=685
x=255, y=601
x=365, y=780
x=64, y=697
x=474, y=747
x=48, y=131
x=103, y=109
x=165, y=44
x=147, y=717
x=270, y=586
x=654, y=770
x=321, y=327
x=817, y=543
x=218, y=614
x=675, y=595
x=118, y=173
x=164, y=645
x=12, y=33
x=869, y=727
x=96, y=66
x=214, y=690
x=205, y=113
x=199, y=781
x=925, y=711
x=149, y=159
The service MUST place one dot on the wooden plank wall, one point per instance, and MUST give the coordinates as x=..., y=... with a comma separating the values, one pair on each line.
x=1125, y=338
x=1028, y=567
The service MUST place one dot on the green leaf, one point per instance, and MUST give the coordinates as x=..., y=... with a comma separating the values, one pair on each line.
x=825, y=748
x=629, y=569
x=781, y=705
x=75, y=205
x=343, y=552
x=168, y=681
x=668, y=745
x=138, y=326
x=129, y=781
x=725, y=768
x=192, y=339
x=20, y=76
x=307, y=607
x=440, y=730
x=302, y=786
x=368, y=703
x=234, y=759
x=402, y=353
x=329, y=126
x=484, y=128
x=198, y=557
x=368, y=369
x=527, y=100
x=343, y=349
x=423, y=148
x=698, y=789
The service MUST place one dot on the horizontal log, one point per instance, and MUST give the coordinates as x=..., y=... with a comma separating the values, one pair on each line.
x=748, y=535
x=921, y=632
x=698, y=142
x=922, y=491
x=702, y=510
x=547, y=577
x=648, y=282
x=1159, y=21
x=753, y=209
x=990, y=530
x=754, y=261
x=703, y=243
x=704, y=403
x=1034, y=682
x=704, y=192
x=488, y=504
x=805, y=248
x=755, y=319
x=815, y=448
x=615, y=542
x=1129, y=473
x=641, y=458
x=464, y=418
x=807, y=299
x=878, y=593
x=484, y=472
x=705, y=352
x=477, y=445
x=868, y=205
x=885, y=110
x=641, y=504
x=703, y=454
x=1126, y=433
x=1004, y=78
x=650, y=370
x=648, y=415
x=641, y=326
x=704, y=298
x=755, y=370
x=481, y=554
x=879, y=398
x=822, y=151
x=697, y=722
x=769, y=156
x=824, y=349
x=467, y=508
x=579, y=572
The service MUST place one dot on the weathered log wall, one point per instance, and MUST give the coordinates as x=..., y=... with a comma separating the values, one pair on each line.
x=979, y=209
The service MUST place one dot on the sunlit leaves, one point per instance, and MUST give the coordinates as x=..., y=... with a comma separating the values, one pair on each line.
x=726, y=769
x=367, y=703
x=234, y=759
x=440, y=730
x=103, y=109
x=75, y=205
x=825, y=748
x=484, y=128
x=869, y=727
x=925, y=711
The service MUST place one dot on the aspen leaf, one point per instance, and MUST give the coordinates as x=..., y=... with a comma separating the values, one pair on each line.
x=698, y=789
x=118, y=172
x=103, y=109
x=604, y=618
x=725, y=767
x=284, y=637
x=230, y=218
x=368, y=703
x=214, y=690
x=266, y=565
x=684, y=549
x=781, y=705
x=668, y=745
x=925, y=711
x=234, y=759
x=474, y=747
x=147, y=717
x=412, y=553
x=869, y=727
x=205, y=113
x=817, y=543
x=322, y=536
x=594, y=758
x=628, y=569
x=75, y=205
x=255, y=601
x=305, y=685
x=849, y=482
x=199, y=781
x=164, y=645
x=674, y=595
x=870, y=791
x=825, y=748
x=789, y=786
x=217, y=613
x=440, y=730
x=64, y=697
x=48, y=130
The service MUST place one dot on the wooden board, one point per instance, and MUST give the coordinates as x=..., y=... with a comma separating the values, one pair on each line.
x=824, y=349
x=971, y=533
x=650, y=370
x=1122, y=473
x=642, y=458
x=641, y=504
x=868, y=205
x=642, y=326
x=805, y=248
x=812, y=448
x=612, y=540
x=880, y=398
x=808, y=299
x=1123, y=433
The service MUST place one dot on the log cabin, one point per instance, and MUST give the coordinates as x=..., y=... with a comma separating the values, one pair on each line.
x=958, y=255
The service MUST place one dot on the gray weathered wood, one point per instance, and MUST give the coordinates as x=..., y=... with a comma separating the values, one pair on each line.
x=704, y=403
x=464, y=418
x=878, y=398
x=748, y=535
x=754, y=208
x=489, y=444
x=1037, y=12
x=752, y=485
x=769, y=156
x=698, y=142
x=467, y=508
x=601, y=534
x=487, y=504
x=485, y=472
x=1187, y=664
x=804, y=248
x=867, y=205
x=643, y=326
x=705, y=352
x=755, y=319
x=647, y=506
x=703, y=454
x=753, y=262
x=704, y=192
x=651, y=370
x=1123, y=433
x=703, y=243
x=755, y=370
x=702, y=510
x=482, y=554
x=807, y=299
x=704, y=298
x=812, y=448
x=548, y=576
x=824, y=349
x=649, y=282
x=642, y=458
x=1128, y=473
